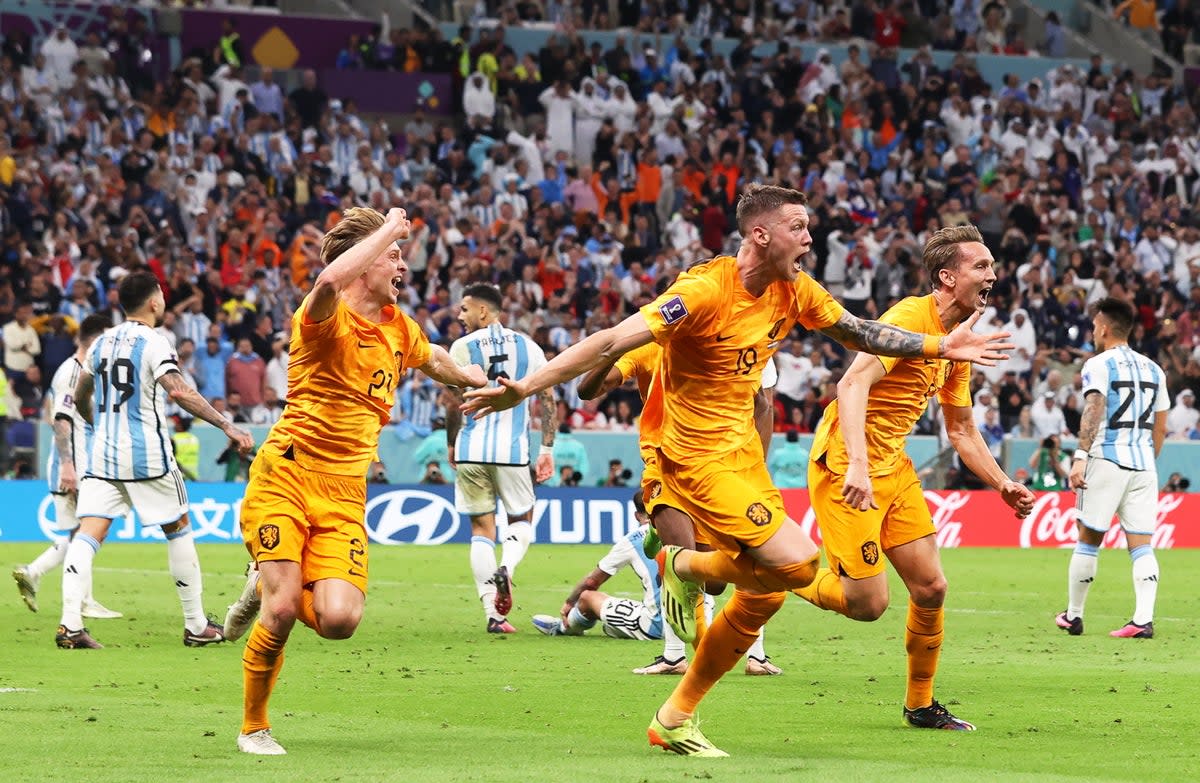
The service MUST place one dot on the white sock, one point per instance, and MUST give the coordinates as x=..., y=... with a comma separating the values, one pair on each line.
x=483, y=567
x=757, y=650
x=77, y=578
x=184, y=565
x=517, y=538
x=673, y=648
x=1080, y=574
x=51, y=558
x=578, y=621
x=1145, y=583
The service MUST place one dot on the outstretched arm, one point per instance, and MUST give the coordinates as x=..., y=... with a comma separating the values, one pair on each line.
x=603, y=347
x=969, y=443
x=961, y=345
x=442, y=369
x=600, y=381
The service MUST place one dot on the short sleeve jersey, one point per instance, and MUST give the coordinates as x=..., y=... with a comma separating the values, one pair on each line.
x=716, y=338
x=898, y=399
x=342, y=378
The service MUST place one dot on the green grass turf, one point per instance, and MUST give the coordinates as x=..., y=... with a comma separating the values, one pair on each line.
x=422, y=694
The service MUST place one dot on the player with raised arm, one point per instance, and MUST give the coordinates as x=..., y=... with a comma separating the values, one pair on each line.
x=1121, y=433
x=66, y=464
x=491, y=459
x=131, y=369
x=865, y=492
x=715, y=324
x=621, y=618
x=667, y=522
x=302, y=517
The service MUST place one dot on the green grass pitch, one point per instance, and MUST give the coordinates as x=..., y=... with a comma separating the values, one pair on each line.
x=421, y=693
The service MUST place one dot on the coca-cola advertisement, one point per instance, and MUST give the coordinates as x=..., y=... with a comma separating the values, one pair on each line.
x=966, y=518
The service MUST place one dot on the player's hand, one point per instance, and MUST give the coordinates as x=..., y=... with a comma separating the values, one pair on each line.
x=544, y=468
x=397, y=219
x=1076, y=481
x=565, y=612
x=964, y=345
x=240, y=438
x=856, y=489
x=450, y=457
x=481, y=402
x=1019, y=497
x=67, y=480
x=475, y=376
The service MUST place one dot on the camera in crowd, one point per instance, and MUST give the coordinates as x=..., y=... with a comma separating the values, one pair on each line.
x=569, y=477
x=1177, y=483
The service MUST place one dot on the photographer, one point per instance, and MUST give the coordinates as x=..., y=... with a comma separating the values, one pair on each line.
x=618, y=475
x=569, y=477
x=433, y=474
x=1177, y=483
x=1049, y=466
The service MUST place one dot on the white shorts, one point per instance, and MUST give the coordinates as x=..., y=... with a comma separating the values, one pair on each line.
x=159, y=501
x=1111, y=489
x=65, y=518
x=627, y=619
x=477, y=487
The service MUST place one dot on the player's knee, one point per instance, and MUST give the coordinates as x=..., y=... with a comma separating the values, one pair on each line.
x=802, y=574
x=867, y=608
x=931, y=594
x=339, y=625
x=280, y=611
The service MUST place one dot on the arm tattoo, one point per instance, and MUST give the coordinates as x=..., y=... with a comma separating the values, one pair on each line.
x=549, y=416
x=191, y=400
x=454, y=415
x=875, y=337
x=62, y=440
x=1090, y=421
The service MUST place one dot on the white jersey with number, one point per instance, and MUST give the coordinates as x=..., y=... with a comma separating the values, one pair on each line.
x=62, y=406
x=628, y=552
x=1134, y=389
x=131, y=440
x=501, y=438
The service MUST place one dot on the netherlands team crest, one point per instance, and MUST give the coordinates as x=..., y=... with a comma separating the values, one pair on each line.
x=268, y=536
x=759, y=514
x=870, y=553
x=656, y=490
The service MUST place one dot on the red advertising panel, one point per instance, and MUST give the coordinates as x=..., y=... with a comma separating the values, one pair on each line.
x=982, y=519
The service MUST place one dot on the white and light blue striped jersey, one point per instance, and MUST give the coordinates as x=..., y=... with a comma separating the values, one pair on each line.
x=62, y=406
x=131, y=440
x=501, y=438
x=1134, y=389
x=628, y=552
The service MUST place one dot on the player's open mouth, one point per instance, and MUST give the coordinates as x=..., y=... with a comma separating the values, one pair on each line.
x=798, y=262
x=397, y=284
x=983, y=296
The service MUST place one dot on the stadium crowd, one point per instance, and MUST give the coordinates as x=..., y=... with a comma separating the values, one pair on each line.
x=582, y=181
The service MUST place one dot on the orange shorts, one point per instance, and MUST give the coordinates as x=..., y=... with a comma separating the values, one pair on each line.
x=314, y=519
x=731, y=500
x=855, y=541
x=656, y=495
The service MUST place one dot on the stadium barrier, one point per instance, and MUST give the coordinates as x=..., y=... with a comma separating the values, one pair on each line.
x=424, y=514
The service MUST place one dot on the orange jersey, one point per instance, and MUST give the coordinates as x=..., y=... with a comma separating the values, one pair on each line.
x=342, y=379
x=898, y=399
x=716, y=339
x=641, y=364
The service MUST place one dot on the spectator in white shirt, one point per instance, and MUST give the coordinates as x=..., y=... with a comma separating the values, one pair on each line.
x=1048, y=417
x=1184, y=416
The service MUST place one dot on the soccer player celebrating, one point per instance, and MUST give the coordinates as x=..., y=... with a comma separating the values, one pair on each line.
x=1113, y=471
x=302, y=517
x=865, y=491
x=668, y=523
x=718, y=324
x=492, y=462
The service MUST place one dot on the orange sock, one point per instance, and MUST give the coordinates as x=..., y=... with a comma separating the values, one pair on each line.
x=701, y=620
x=262, y=659
x=307, y=614
x=825, y=592
x=746, y=571
x=923, y=641
x=732, y=632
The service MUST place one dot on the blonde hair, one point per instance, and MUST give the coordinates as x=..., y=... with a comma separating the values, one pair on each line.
x=941, y=250
x=357, y=224
x=758, y=200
